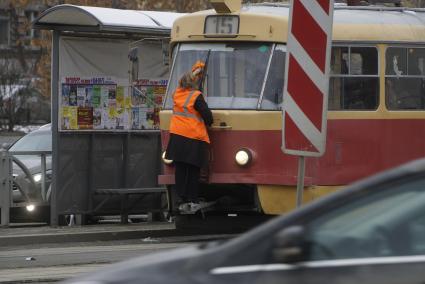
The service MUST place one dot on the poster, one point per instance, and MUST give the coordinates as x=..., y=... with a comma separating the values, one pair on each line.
x=95, y=99
x=101, y=104
x=146, y=98
x=85, y=117
x=69, y=118
x=120, y=97
x=98, y=123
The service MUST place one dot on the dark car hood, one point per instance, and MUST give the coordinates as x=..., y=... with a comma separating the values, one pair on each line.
x=171, y=266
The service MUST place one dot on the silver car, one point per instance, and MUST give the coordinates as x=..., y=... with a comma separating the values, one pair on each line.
x=28, y=190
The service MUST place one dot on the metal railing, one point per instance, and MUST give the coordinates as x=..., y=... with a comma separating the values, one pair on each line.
x=43, y=155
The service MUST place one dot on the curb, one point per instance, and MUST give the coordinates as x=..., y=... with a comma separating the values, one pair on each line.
x=43, y=235
x=36, y=276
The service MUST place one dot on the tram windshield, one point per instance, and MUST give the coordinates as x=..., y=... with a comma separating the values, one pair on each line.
x=235, y=72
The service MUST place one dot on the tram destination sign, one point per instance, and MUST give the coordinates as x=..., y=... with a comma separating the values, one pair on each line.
x=307, y=77
x=221, y=25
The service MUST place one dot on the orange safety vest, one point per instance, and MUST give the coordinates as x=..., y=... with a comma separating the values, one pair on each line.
x=186, y=120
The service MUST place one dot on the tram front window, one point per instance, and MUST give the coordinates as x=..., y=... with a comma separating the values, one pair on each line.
x=235, y=72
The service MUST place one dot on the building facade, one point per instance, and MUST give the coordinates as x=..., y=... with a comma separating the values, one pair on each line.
x=21, y=53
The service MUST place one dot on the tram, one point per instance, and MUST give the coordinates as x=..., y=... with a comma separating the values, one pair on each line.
x=376, y=117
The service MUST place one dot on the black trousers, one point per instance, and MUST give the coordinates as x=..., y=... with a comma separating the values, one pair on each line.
x=187, y=181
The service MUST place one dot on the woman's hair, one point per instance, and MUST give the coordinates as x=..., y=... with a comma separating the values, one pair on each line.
x=187, y=82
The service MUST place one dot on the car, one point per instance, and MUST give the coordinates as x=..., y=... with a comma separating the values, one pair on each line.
x=371, y=232
x=27, y=170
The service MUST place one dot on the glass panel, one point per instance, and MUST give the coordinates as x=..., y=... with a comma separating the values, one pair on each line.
x=339, y=60
x=416, y=57
x=364, y=61
x=386, y=222
x=273, y=92
x=356, y=93
x=396, y=61
x=234, y=75
x=405, y=93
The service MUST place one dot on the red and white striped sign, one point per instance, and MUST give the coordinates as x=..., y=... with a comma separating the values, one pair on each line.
x=307, y=77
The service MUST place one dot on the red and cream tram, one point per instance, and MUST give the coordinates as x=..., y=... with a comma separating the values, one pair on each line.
x=376, y=117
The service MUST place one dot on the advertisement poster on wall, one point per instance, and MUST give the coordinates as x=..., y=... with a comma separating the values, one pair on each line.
x=147, y=98
x=101, y=104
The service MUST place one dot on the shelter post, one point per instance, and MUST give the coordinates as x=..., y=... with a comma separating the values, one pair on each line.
x=55, y=136
x=5, y=186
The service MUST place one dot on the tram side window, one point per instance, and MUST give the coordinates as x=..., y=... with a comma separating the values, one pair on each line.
x=273, y=92
x=405, y=78
x=354, y=79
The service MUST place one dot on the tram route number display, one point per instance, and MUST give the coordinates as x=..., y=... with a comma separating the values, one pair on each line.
x=101, y=104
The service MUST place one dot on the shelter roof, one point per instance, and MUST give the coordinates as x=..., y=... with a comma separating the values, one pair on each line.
x=96, y=19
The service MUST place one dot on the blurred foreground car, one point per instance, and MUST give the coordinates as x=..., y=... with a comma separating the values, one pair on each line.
x=371, y=232
x=25, y=190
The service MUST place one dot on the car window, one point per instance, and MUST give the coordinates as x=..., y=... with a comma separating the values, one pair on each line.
x=35, y=141
x=388, y=222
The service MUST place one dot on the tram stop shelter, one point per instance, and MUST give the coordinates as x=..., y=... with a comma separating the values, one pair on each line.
x=109, y=75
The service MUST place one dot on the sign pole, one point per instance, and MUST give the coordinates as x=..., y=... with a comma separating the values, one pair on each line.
x=300, y=180
x=306, y=84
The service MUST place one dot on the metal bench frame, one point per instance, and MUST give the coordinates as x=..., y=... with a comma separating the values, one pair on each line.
x=124, y=194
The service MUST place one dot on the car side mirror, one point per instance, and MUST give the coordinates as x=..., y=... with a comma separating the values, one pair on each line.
x=5, y=146
x=290, y=245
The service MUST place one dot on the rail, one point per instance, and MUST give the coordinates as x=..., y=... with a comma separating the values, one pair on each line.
x=43, y=155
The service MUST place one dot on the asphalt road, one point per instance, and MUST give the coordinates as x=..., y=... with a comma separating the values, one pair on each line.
x=50, y=263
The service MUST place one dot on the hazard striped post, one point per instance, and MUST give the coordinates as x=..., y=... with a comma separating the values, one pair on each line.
x=307, y=81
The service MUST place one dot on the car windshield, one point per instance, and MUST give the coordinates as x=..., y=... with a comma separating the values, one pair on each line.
x=35, y=141
x=235, y=72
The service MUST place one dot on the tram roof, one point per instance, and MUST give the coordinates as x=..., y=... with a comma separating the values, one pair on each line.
x=369, y=23
x=357, y=23
x=354, y=14
x=96, y=19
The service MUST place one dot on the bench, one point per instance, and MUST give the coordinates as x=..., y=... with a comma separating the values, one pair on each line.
x=124, y=193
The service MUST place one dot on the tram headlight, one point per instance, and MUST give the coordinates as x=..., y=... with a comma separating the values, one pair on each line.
x=166, y=161
x=243, y=157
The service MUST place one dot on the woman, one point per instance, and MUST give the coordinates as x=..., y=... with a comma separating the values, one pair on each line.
x=189, y=140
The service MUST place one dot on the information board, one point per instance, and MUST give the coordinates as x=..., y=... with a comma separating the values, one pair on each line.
x=102, y=104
